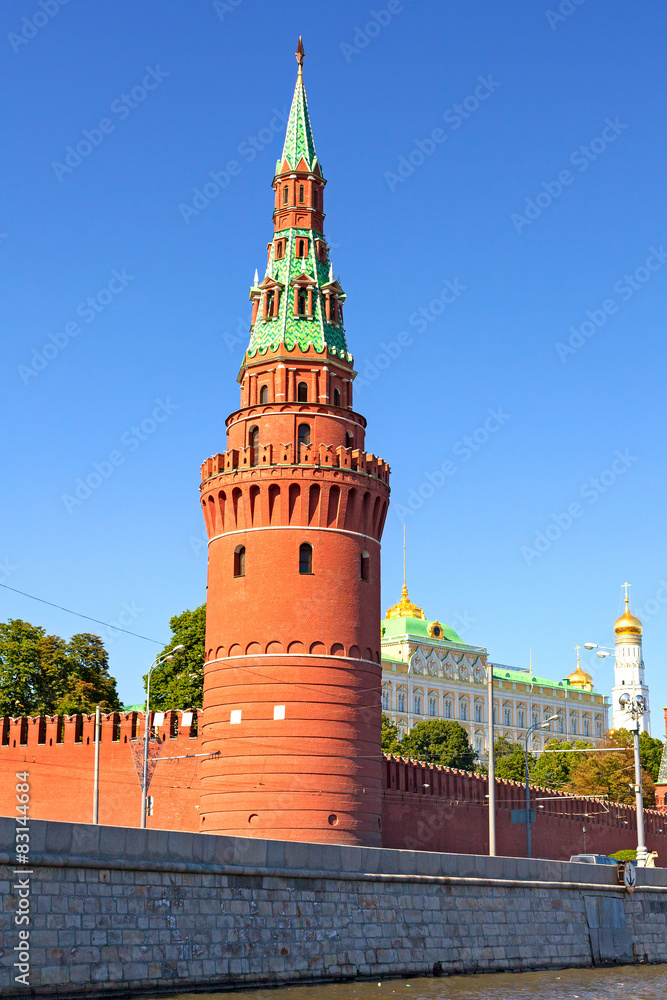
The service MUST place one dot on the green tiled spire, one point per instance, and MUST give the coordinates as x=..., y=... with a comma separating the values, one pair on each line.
x=308, y=271
x=299, y=142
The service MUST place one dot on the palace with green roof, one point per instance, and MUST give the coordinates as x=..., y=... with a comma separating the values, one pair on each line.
x=428, y=672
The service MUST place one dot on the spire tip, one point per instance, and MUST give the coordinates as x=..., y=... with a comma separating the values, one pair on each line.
x=300, y=55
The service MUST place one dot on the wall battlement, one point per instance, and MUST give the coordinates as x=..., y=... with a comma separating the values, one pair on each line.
x=240, y=459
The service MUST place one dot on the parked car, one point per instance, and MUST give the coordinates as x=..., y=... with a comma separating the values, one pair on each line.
x=593, y=859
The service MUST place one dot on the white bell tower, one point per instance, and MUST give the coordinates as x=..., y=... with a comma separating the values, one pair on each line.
x=629, y=669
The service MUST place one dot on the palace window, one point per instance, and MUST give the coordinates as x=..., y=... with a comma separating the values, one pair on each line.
x=365, y=565
x=239, y=560
x=401, y=701
x=574, y=725
x=598, y=727
x=264, y=394
x=302, y=392
x=336, y=397
x=479, y=744
x=479, y=712
x=507, y=715
x=536, y=717
x=521, y=718
x=418, y=704
x=433, y=706
x=587, y=727
x=463, y=711
x=495, y=714
x=386, y=699
x=449, y=708
x=561, y=722
x=305, y=559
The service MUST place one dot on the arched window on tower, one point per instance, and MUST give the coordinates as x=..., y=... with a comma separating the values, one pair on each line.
x=285, y=194
x=239, y=560
x=336, y=397
x=365, y=565
x=270, y=296
x=303, y=438
x=253, y=441
x=302, y=302
x=301, y=194
x=349, y=440
x=302, y=392
x=305, y=559
x=315, y=198
x=264, y=394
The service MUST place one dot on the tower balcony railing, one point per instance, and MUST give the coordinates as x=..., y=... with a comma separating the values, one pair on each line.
x=270, y=455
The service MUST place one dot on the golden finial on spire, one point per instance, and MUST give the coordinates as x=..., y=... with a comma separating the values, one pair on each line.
x=300, y=55
x=627, y=622
x=579, y=678
x=405, y=608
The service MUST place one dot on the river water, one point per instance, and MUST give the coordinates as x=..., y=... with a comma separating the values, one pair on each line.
x=644, y=982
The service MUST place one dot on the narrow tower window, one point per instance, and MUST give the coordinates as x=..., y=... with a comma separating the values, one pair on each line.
x=349, y=440
x=305, y=559
x=303, y=438
x=365, y=565
x=301, y=194
x=336, y=401
x=303, y=302
x=302, y=394
x=264, y=394
x=302, y=247
x=253, y=441
x=239, y=560
x=285, y=194
x=315, y=198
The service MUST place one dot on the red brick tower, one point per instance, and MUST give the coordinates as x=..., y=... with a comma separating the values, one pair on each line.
x=294, y=510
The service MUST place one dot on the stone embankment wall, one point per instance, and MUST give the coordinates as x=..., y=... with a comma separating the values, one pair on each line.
x=125, y=910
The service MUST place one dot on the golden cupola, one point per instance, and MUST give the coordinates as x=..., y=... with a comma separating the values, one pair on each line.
x=405, y=608
x=579, y=678
x=627, y=624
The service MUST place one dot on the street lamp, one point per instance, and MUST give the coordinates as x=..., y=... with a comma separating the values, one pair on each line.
x=158, y=661
x=602, y=651
x=635, y=708
x=538, y=725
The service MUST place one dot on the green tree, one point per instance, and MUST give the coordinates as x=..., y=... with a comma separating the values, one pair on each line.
x=87, y=682
x=43, y=674
x=552, y=770
x=390, y=740
x=180, y=684
x=510, y=760
x=650, y=754
x=611, y=773
x=439, y=741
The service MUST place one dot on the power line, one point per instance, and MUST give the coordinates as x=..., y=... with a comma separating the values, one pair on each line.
x=77, y=614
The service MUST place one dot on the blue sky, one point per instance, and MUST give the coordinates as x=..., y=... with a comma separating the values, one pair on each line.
x=517, y=252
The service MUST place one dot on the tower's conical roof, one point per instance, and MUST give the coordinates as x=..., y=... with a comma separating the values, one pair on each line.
x=299, y=142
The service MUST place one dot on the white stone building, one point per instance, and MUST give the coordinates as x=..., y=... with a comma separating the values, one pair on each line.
x=428, y=672
x=629, y=670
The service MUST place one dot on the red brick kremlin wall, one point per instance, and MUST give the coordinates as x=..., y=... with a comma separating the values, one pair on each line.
x=425, y=808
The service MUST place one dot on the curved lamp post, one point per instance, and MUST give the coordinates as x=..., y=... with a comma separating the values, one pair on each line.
x=635, y=708
x=533, y=729
x=158, y=661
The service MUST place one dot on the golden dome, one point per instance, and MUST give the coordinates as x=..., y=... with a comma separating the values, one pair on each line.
x=579, y=678
x=405, y=608
x=627, y=623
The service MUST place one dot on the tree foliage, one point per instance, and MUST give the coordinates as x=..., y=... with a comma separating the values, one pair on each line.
x=180, y=684
x=44, y=674
x=611, y=773
x=553, y=769
x=439, y=741
x=650, y=754
x=390, y=739
x=510, y=760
